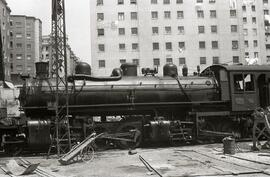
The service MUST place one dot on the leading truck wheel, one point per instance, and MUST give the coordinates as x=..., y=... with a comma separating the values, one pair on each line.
x=125, y=128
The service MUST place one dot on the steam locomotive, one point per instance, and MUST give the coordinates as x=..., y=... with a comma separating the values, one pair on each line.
x=172, y=108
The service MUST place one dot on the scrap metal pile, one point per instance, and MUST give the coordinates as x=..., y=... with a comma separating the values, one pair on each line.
x=261, y=128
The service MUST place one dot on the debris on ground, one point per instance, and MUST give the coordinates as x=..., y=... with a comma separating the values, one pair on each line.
x=14, y=168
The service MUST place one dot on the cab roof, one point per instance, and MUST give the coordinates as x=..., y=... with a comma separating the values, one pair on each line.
x=261, y=68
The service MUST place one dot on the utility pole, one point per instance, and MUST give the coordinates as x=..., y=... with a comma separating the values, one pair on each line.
x=58, y=66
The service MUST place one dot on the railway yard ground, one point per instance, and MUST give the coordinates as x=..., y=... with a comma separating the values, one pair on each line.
x=199, y=160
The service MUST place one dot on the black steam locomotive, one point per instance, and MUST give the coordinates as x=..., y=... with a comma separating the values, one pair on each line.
x=214, y=103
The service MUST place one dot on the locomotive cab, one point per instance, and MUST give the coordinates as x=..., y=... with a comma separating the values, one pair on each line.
x=246, y=87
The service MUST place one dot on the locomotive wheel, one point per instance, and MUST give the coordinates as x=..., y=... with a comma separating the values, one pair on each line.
x=127, y=127
x=87, y=153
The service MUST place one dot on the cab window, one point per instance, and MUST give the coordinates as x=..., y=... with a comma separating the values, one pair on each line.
x=249, y=82
x=238, y=82
x=243, y=82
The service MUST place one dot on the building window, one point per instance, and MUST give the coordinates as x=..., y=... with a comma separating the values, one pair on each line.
x=256, y=54
x=265, y=1
x=233, y=28
x=121, y=31
x=253, y=8
x=245, y=31
x=181, y=46
x=155, y=30
x=267, y=46
x=134, y=31
x=167, y=14
x=215, y=60
x=101, y=47
x=233, y=13
x=254, y=20
x=244, y=8
x=235, y=59
x=179, y=1
x=182, y=61
x=133, y=15
x=153, y=1
x=136, y=61
x=254, y=30
x=18, y=45
x=168, y=45
x=268, y=58
x=156, y=62
x=246, y=55
x=234, y=44
x=212, y=1
x=181, y=30
x=255, y=43
x=213, y=29
x=100, y=16
x=168, y=30
x=155, y=46
x=135, y=46
x=166, y=1
x=122, y=46
x=133, y=1
x=19, y=56
x=101, y=63
x=100, y=32
x=200, y=14
x=18, y=24
x=169, y=60
x=213, y=14
x=28, y=46
x=266, y=12
x=120, y=2
x=121, y=16
x=201, y=44
x=11, y=34
x=29, y=68
x=122, y=61
x=19, y=68
x=200, y=29
x=28, y=36
x=99, y=2
x=154, y=15
x=214, y=44
x=244, y=19
x=180, y=14
x=199, y=1
x=18, y=35
x=11, y=44
x=28, y=57
x=246, y=44
x=203, y=60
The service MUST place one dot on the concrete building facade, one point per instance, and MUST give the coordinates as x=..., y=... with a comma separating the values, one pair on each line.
x=152, y=33
x=46, y=55
x=25, y=44
x=4, y=21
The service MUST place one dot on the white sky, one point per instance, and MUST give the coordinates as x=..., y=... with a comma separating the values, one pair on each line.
x=77, y=21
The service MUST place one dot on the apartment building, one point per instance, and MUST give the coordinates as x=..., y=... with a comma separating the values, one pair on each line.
x=152, y=33
x=25, y=43
x=46, y=55
x=4, y=19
